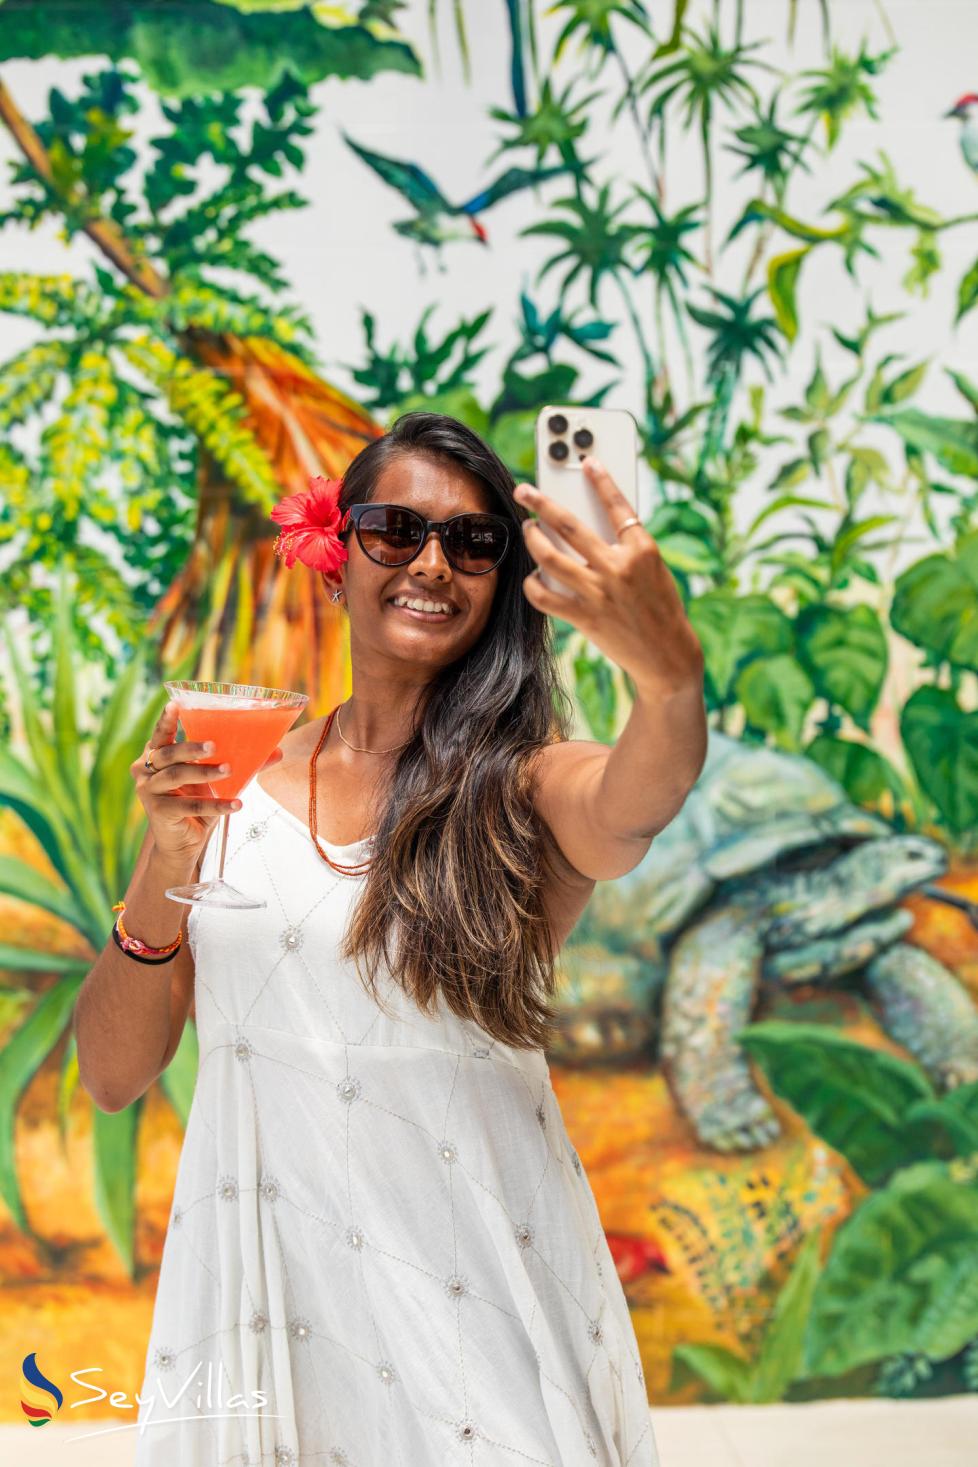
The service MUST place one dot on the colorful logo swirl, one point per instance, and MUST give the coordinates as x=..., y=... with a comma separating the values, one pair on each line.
x=37, y=1393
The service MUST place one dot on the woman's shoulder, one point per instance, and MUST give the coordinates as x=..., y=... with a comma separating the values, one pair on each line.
x=298, y=742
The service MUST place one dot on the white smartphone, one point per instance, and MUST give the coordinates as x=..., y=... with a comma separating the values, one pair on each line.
x=564, y=436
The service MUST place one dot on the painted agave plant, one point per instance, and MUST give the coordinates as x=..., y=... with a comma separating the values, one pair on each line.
x=70, y=785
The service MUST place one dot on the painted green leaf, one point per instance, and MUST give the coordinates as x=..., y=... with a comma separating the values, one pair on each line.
x=782, y=284
x=35, y=960
x=935, y=604
x=114, y=1140
x=941, y=740
x=853, y=1097
x=67, y=1085
x=21, y=881
x=844, y=652
x=967, y=388
x=734, y=629
x=782, y=1351
x=727, y=1374
x=819, y=448
x=952, y=441
x=180, y=1076
x=904, y=385
x=779, y=1361
x=908, y=1256
x=862, y=771
x=457, y=402
x=776, y=693
x=955, y=1113
x=817, y=393
x=20, y=1058
x=204, y=48
x=795, y=471
x=595, y=689
x=968, y=292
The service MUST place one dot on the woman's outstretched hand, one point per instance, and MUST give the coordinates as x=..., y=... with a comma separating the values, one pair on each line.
x=180, y=816
x=624, y=599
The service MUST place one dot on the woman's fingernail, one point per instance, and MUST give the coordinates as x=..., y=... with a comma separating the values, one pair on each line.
x=224, y=768
x=209, y=747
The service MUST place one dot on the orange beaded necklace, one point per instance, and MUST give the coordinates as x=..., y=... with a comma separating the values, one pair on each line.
x=361, y=867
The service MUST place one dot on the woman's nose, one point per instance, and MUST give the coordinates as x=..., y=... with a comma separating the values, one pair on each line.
x=432, y=556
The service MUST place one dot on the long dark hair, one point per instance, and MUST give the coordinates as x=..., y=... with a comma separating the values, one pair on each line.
x=452, y=902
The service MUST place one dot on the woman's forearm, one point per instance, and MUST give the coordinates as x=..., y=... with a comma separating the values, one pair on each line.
x=122, y=1014
x=655, y=762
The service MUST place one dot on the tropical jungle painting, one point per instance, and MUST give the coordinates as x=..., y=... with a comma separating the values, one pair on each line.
x=238, y=238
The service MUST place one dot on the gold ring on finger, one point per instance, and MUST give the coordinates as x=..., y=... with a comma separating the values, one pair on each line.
x=632, y=520
x=148, y=763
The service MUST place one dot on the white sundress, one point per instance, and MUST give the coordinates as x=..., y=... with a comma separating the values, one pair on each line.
x=383, y=1250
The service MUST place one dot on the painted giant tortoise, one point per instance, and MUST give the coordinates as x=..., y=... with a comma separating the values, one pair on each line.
x=768, y=874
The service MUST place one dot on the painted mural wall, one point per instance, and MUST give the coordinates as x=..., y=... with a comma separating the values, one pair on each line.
x=237, y=240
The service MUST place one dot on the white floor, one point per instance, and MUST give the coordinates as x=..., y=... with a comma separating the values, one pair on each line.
x=941, y=1433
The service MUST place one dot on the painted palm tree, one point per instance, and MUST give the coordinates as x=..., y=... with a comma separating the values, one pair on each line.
x=597, y=244
x=705, y=75
x=220, y=368
x=737, y=335
x=662, y=252
x=591, y=21
x=596, y=24
x=772, y=153
x=842, y=88
x=262, y=626
x=556, y=123
x=769, y=149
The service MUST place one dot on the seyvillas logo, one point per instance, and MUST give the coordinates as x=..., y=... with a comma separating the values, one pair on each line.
x=38, y=1393
x=197, y=1396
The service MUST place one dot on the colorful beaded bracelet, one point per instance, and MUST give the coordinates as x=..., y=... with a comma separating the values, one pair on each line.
x=141, y=957
x=134, y=947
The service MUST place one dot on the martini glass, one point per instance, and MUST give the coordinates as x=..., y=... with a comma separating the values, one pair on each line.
x=246, y=723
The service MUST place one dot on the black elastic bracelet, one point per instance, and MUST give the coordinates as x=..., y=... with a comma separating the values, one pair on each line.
x=140, y=957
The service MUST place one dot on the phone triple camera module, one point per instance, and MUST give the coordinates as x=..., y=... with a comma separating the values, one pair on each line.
x=558, y=451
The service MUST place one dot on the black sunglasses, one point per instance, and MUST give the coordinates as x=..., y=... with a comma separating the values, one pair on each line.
x=392, y=534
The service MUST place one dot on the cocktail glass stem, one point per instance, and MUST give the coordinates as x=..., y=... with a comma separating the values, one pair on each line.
x=225, y=821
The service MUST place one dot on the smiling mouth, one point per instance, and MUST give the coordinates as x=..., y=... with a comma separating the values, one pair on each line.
x=431, y=616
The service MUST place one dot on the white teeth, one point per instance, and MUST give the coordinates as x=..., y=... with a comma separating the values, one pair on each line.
x=421, y=605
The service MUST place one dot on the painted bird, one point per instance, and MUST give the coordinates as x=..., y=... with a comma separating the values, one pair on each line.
x=436, y=220
x=966, y=110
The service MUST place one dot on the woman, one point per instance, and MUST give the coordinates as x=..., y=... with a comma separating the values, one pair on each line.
x=383, y=1251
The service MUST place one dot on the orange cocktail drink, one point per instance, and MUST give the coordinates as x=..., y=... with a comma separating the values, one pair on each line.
x=244, y=733
x=245, y=723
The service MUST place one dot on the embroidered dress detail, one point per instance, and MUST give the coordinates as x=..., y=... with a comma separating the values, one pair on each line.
x=383, y=1250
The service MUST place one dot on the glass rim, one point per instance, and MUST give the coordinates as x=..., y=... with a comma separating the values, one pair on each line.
x=254, y=691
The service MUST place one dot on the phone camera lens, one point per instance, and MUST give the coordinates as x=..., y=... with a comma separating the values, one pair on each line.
x=559, y=451
x=584, y=438
x=557, y=423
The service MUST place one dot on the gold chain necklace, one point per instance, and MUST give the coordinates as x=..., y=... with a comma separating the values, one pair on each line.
x=361, y=867
x=358, y=750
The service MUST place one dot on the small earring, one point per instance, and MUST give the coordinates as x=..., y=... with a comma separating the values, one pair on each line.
x=336, y=595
